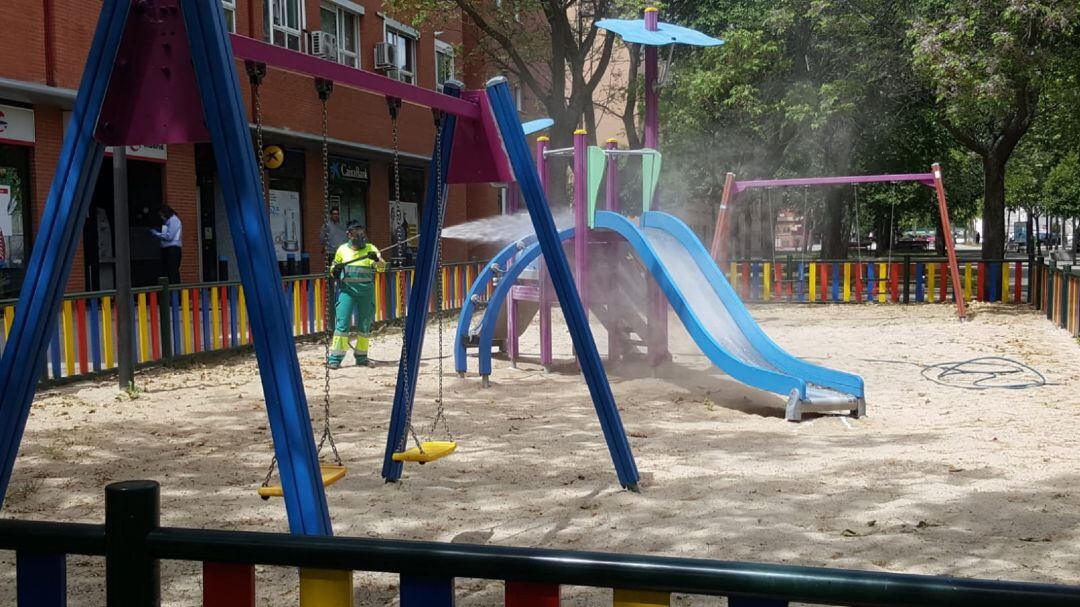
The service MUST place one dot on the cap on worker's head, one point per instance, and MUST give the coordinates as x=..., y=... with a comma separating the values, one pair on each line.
x=354, y=225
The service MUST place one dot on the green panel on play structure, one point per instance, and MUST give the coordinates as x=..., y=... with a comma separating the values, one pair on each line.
x=597, y=163
x=650, y=177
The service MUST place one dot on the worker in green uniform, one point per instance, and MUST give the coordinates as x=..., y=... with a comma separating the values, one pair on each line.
x=354, y=268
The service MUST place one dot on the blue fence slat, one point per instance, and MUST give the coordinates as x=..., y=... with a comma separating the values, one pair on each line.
x=40, y=579
x=177, y=328
x=234, y=321
x=310, y=320
x=802, y=281
x=836, y=281
x=94, y=328
x=870, y=282
x=54, y=352
x=204, y=312
x=417, y=591
x=920, y=281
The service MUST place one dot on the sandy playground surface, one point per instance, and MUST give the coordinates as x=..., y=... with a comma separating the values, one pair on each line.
x=935, y=480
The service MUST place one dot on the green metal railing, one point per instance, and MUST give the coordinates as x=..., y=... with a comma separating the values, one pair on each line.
x=132, y=542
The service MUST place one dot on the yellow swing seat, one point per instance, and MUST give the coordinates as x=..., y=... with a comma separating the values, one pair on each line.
x=428, y=451
x=330, y=474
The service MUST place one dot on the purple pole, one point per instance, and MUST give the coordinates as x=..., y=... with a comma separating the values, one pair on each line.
x=545, y=293
x=581, y=214
x=658, y=333
x=513, y=198
x=611, y=195
x=652, y=91
x=512, y=346
x=611, y=203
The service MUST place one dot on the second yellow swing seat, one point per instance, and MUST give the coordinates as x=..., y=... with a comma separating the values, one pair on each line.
x=330, y=475
x=428, y=451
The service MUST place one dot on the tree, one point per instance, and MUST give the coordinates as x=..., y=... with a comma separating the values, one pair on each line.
x=802, y=87
x=988, y=62
x=551, y=47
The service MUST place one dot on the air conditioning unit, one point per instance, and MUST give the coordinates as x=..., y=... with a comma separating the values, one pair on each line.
x=386, y=56
x=324, y=44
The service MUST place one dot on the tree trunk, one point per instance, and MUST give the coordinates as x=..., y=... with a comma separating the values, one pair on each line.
x=834, y=242
x=993, y=238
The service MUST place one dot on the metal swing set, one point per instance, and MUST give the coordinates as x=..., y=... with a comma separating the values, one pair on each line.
x=721, y=242
x=164, y=72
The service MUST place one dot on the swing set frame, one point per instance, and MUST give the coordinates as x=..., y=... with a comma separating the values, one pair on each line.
x=732, y=188
x=164, y=71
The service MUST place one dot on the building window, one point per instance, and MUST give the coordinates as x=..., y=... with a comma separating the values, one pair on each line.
x=284, y=22
x=345, y=26
x=229, y=7
x=444, y=64
x=406, y=53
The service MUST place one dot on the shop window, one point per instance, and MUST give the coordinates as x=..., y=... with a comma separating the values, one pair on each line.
x=344, y=24
x=283, y=22
x=405, y=223
x=229, y=7
x=406, y=53
x=444, y=64
x=14, y=217
x=348, y=188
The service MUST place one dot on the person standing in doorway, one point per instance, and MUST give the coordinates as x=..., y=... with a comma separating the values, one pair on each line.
x=171, y=247
x=333, y=234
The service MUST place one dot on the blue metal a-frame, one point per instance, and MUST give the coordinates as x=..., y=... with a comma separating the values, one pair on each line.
x=515, y=146
x=66, y=209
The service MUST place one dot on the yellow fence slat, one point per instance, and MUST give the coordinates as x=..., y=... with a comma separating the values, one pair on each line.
x=68, y=331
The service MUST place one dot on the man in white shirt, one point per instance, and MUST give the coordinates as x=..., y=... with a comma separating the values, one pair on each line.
x=171, y=247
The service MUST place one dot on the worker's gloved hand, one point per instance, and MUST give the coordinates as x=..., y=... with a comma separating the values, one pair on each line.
x=380, y=266
x=373, y=256
x=336, y=271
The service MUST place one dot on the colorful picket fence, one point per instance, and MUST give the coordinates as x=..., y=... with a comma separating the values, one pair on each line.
x=905, y=280
x=191, y=319
x=1057, y=294
x=133, y=545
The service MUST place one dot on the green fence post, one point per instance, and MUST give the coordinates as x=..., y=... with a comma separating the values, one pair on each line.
x=165, y=316
x=132, y=576
x=906, y=277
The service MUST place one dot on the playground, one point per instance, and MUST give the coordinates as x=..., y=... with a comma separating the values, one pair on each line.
x=608, y=380
x=935, y=480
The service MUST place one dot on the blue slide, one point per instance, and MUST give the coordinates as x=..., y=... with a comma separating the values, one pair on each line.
x=708, y=307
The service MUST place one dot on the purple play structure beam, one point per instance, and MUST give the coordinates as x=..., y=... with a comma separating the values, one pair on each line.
x=546, y=356
x=292, y=61
x=923, y=178
x=581, y=215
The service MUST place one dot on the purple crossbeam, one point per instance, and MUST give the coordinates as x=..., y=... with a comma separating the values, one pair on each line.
x=923, y=178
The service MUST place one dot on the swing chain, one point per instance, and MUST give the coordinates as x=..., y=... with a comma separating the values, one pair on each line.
x=256, y=72
x=324, y=88
x=440, y=202
x=393, y=105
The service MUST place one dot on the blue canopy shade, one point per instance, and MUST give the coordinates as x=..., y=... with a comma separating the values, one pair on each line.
x=535, y=126
x=633, y=30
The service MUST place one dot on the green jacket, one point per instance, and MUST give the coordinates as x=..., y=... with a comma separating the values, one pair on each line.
x=357, y=270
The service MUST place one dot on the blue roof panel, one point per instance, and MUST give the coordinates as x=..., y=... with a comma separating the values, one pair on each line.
x=633, y=30
x=535, y=126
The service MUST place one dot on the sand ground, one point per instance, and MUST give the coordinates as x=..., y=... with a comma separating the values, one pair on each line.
x=936, y=479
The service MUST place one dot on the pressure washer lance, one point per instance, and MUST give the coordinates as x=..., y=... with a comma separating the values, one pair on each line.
x=394, y=246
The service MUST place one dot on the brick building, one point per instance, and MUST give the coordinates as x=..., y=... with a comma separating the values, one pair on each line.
x=42, y=53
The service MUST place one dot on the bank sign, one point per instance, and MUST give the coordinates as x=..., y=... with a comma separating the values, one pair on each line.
x=349, y=170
